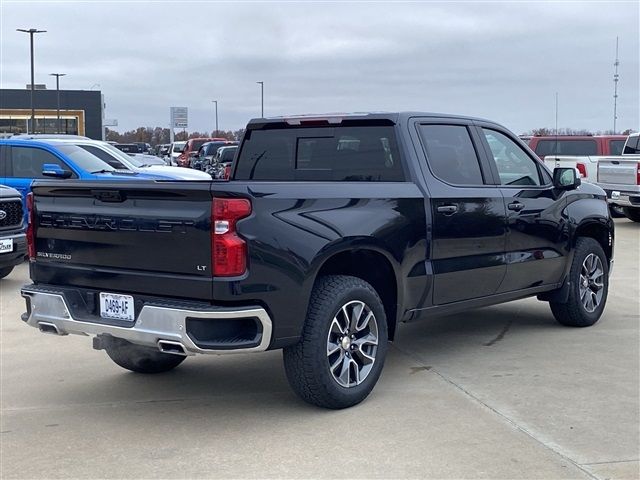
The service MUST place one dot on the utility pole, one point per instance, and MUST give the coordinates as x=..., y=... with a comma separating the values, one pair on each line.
x=31, y=32
x=261, y=99
x=58, y=75
x=616, y=78
x=216, y=104
x=556, y=146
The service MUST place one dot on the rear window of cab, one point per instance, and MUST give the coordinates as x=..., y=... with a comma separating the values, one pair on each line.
x=356, y=154
x=578, y=147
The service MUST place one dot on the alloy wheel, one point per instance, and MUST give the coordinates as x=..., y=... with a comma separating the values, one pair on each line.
x=591, y=282
x=352, y=344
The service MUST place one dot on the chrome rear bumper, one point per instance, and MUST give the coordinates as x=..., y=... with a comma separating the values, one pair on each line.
x=156, y=326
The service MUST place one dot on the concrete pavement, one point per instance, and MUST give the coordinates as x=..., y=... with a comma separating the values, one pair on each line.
x=500, y=392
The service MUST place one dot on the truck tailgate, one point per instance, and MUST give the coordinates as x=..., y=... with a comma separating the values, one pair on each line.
x=618, y=170
x=152, y=238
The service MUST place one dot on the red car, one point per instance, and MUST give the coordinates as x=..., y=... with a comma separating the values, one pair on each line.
x=192, y=146
x=577, y=145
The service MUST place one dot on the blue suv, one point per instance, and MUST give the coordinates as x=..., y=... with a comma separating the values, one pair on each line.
x=23, y=161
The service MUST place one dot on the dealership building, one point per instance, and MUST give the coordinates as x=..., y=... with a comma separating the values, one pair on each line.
x=81, y=112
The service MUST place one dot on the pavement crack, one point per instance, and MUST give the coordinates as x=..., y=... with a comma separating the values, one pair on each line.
x=611, y=461
x=500, y=335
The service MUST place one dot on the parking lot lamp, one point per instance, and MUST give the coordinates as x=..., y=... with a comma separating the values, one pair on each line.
x=31, y=32
x=58, y=75
x=261, y=99
x=216, y=104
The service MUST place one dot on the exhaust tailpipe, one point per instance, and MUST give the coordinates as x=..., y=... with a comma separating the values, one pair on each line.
x=176, y=348
x=46, y=327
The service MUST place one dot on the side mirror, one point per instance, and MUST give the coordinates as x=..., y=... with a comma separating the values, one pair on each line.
x=55, y=171
x=566, y=178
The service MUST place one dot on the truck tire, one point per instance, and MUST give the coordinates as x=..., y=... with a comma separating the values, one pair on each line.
x=5, y=271
x=588, y=287
x=341, y=353
x=632, y=213
x=139, y=358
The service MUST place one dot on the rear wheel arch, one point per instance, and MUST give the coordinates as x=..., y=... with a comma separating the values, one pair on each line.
x=600, y=232
x=372, y=265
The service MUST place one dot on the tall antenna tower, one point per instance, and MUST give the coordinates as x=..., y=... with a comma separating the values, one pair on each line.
x=616, y=78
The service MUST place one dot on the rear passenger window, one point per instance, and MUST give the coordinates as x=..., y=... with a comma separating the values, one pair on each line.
x=355, y=154
x=451, y=155
x=27, y=162
x=631, y=147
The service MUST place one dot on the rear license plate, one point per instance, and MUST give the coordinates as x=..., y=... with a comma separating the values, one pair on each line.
x=6, y=245
x=615, y=195
x=116, y=306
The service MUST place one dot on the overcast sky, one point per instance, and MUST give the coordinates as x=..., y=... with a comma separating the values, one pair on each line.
x=500, y=60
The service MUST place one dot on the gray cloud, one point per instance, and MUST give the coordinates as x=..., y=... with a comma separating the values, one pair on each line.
x=503, y=61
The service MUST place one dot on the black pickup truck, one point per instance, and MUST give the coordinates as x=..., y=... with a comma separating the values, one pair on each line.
x=331, y=232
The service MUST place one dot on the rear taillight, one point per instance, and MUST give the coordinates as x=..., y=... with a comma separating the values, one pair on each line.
x=31, y=228
x=229, y=251
x=227, y=172
x=582, y=169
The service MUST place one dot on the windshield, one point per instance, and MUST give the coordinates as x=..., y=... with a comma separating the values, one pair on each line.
x=178, y=147
x=113, y=160
x=83, y=159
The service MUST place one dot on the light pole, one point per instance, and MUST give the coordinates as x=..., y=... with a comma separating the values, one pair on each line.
x=216, y=104
x=31, y=32
x=261, y=99
x=58, y=75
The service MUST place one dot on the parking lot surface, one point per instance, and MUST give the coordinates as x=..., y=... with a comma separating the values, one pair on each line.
x=501, y=392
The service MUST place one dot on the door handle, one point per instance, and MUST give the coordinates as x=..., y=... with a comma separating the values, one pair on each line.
x=515, y=206
x=447, y=209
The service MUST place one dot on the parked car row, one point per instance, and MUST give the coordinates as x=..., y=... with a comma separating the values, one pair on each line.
x=25, y=159
x=211, y=155
x=207, y=154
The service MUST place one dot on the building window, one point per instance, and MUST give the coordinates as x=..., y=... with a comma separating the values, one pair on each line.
x=14, y=125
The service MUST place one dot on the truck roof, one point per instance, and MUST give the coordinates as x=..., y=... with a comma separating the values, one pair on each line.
x=17, y=142
x=337, y=118
x=580, y=137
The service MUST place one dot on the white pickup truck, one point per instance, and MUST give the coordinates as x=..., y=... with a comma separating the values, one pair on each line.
x=585, y=165
x=620, y=177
